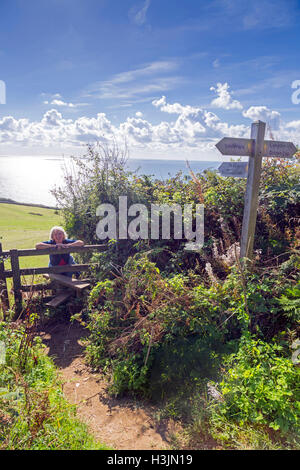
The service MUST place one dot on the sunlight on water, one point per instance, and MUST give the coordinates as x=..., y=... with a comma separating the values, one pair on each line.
x=29, y=179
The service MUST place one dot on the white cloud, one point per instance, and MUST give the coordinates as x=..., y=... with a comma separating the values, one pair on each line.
x=67, y=105
x=265, y=114
x=52, y=118
x=54, y=129
x=224, y=99
x=10, y=124
x=146, y=70
x=293, y=125
x=148, y=79
x=254, y=15
x=186, y=128
x=62, y=103
x=262, y=14
x=191, y=128
x=290, y=132
x=138, y=13
x=56, y=100
x=175, y=108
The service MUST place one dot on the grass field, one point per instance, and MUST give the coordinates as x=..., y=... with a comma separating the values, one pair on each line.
x=23, y=227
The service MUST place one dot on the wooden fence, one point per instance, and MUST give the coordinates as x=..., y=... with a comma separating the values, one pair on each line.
x=16, y=272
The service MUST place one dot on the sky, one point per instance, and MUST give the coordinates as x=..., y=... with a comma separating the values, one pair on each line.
x=166, y=78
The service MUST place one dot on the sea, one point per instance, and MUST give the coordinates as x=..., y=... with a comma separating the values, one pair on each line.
x=29, y=180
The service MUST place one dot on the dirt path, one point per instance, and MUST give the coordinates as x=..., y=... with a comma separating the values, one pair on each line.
x=119, y=423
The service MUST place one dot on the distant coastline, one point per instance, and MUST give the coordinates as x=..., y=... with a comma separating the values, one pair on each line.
x=11, y=201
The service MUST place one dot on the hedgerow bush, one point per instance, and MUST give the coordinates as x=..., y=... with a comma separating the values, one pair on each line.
x=143, y=322
x=163, y=321
x=139, y=313
x=100, y=176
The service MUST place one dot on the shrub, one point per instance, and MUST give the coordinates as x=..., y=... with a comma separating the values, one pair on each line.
x=261, y=386
x=162, y=320
x=153, y=322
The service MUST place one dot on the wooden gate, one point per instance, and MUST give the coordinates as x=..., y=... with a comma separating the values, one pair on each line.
x=16, y=272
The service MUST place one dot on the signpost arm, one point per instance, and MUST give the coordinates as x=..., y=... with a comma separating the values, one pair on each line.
x=252, y=190
x=256, y=148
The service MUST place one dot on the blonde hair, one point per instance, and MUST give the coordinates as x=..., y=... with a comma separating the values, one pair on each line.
x=56, y=227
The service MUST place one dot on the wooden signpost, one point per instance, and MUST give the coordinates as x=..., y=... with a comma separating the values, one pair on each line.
x=235, y=169
x=255, y=148
x=235, y=147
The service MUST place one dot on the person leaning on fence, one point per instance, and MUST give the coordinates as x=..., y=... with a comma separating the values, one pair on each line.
x=58, y=240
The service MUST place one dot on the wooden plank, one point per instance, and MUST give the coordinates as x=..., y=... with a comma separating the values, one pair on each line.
x=74, y=284
x=252, y=190
x=234, y=169
x=36, y=287
x=61, y=251
x=16, y=280
x=86, y=279
x=59, y=299
x=4, y=300
x=235, y=146
x=279, y=149
x=69, y=268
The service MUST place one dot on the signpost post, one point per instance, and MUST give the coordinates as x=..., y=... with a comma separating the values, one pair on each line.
x=252, y=190
x=255, y=148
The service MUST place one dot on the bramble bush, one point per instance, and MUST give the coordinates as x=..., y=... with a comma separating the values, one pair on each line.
x=140, y=313
x=155, y=331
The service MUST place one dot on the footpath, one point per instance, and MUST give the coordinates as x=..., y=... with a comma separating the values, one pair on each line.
x=121, y=423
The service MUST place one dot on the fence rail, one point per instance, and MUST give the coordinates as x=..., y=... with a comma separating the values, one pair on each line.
x=16, y=272
x=51, y=270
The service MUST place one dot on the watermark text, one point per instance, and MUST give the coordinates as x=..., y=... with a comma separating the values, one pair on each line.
x=162, y=221
x=296, y=93
x=2, y=352
x=2, y=92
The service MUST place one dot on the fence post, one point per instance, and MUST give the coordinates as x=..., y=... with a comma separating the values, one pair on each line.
x=4, y=301
x=17, y=280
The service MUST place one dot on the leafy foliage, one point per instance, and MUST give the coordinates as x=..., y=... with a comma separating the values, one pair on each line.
x=261, y=386
x=33, y=412
x=164, y=321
